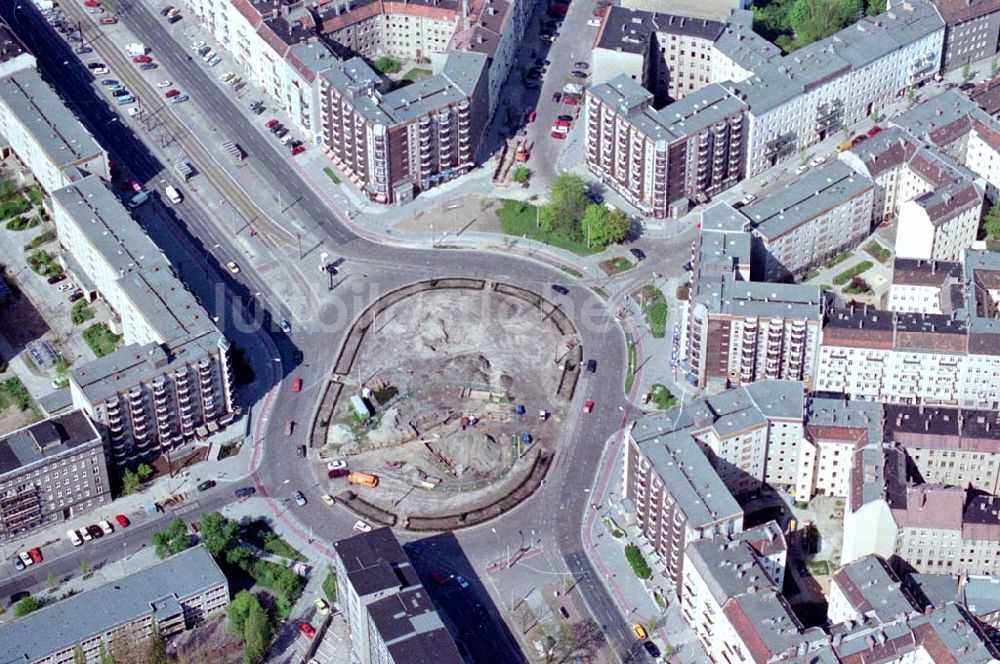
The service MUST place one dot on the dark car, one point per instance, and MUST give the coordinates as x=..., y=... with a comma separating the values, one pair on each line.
x=56, y=278
x=591, y=366
x=108, y=82
x=639, y=254
x=148, y=66
x=95, y=531
x=562, y=290
x=206, y=485
x=276, y=127
x=578, y=74
x=76, y=296
x=338, y=472
x=651, y=648
x=301, y=451
x=281, y=133
x=245, y=492
x=121, y=93
x=83, y=50
x=166, y=10
x=563, y=612
x=556, y=96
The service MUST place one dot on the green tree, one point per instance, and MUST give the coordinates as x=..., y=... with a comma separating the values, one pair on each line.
x=173, y=539
x=567, y=201
x=911, y=95
x=238, y=611
x=602, y=226
x=104, y=656
x=875, y=7
x=330, y=585
x=521, y=174
x=966, y=72
x=155, y=651
x=994, y=66
x=991, y=222
x=51, y=580
x=144, y=471
x=85, y=567
x=130, y=482
x=78, y=656
x=812, y=20
x=26, y=606
x=218, y=533
x=257, y=633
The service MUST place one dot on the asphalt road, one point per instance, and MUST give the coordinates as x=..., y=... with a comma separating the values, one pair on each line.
x=374, y=269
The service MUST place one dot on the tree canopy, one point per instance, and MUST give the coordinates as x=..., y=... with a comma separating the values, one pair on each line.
x=602, y=226
x=173, y=539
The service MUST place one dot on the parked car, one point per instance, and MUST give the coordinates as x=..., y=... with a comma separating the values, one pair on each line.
x=141, y=59
x=245, y=492
x=640, y=631
x=565, y=118
x=271, y=123
x=307, y=630
x=56, y=278
x=335, y=464
x=362, y=527
x=25, y=558
x=122, y=520
x=578, y=74
x=36, y=554
x=461, y=581
x=591, y=366
x=582, y=65
x=106, y=526
x=439, y=578
x=300, y=451
x=297, y=385
x=149, y=66
x=327, y=499
x=95, y=531
x=164, y=84
x=874, y=130
x=281, y=133
x=84, y=534
x=556, y=96
x=559, y=135
x=171, y=93
x=588, y=406
x=18, y=563
x=298, y=149
x=299, y=498
x=639, y=254
x=232, y=267
x=338, y=472
x=322, y=606
x=179, y=99
x=109, y=82
x=74, y=538
x=285, y=326
x=562, y=290
x=76, y=296
x=206, y=485
x=166, y=10
x=594, y=22
x=817, y=160
x=83, y=50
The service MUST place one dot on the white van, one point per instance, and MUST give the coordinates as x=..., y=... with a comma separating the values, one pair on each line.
x=74, y=538
x=173, y=195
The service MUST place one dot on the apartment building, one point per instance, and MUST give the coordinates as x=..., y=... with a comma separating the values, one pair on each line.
x=925, y=287
x=972, y=29
x=171, y=381
x=661, y=161
x=44, y=134
x=408, y=30
x=173, y=595
x=51, y=471
x=736, y=331
x=390, y=616
x=979, y=594
x=717, y=10
x=677, y=493
x=866, y=589
x=809, y=221
x=393, y=145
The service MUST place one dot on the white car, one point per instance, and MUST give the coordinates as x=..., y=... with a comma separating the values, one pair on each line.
x=817, y=160
x=362, y=527
x=74, y=538
x=748, y=199
x=84, y=535
x=802, y=169
x=461, y=581
x=233, y=267
x=164, y=84
x=106, y=527
x=594, y=22
x=65, y=287
x=300, y=499
x=196, y=45
x=25, y=558
x=335, y=464
x=134, y=111
x=327, y=498
x=99, y=70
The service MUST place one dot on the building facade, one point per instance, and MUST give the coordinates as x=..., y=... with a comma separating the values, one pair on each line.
x=972, y=28
x=171, y=596
x=51, y=471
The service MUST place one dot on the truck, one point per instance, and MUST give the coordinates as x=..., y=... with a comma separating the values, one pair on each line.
x=363, y=479
x=173, y=195
x=135, y=48
x=523, y=152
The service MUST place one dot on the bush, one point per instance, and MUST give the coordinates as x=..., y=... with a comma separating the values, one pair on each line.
x=850, y=273
x=35, y=195
x=662, y=397
x=637, y=562
x=40, y=239
x=18, y=224
x=521, y=174
x=26, y=606
x=101, y=339
x=330, y=174
x=387, y=65
x=80, y=313
x=13, y=207
x=330, y=585
x=877, y=251
x=14, y=392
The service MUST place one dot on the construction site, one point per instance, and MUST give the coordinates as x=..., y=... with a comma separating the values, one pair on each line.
x=453, y=391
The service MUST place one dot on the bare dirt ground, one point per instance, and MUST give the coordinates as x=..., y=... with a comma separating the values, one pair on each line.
x=445, y=372
x=464, y=214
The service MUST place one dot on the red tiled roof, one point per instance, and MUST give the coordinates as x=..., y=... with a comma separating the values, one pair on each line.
x=747, y=632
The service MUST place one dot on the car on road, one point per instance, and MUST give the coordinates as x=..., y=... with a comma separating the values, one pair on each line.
x=36, y=554
x=335, y=464
x=338, y=472
x=582, y=65
x=362, y=526
x=748, y=199
x=594, y=22
x=639, y=254
x=164, y=84
x=576, y=73
x=149, y=66
x=300, y=451
x=565, y=118
x=439, y=578
x=556, y=96
x=562, y=290
x=307, y=630
x=591, y=366
x=285, y=326
x=874, y=131
x=321, y=606
x=25, y=558
x=817, y=160
x=56, y=278
x=245, y=492
x=327, y=499
x=640, y=631
x=233, y=267
x=297, y=385
x=651, y=648
x=141, y=59
x=300, y=499
x=560, y=135
x=173, y=92
x=206, y=485
x=802, y=169
x=106, y=526
x=588, y=406
x=18, y=564
x=461, y=581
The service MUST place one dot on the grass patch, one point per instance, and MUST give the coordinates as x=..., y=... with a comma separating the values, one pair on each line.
x=80, y=313
x=260, y=535
x=35, y=195
x=330, y=585
x=573, y=272
x=101, y=339
x=838, y=259
x=521, y=219
x=662, y=397
x=13, y=207
x=818, y=567
x=42, y=238
x=610, y=525
x=811, y=274
x=630, y=369
x=22, y=223
x=417, y=74
x=330, y=174
x=603, y=294
x=878, y=252
x=387, y=65
x=44, y=263
x=13, y=393
x=638, y=564
x=616, y=265
x=654, y=310
x=849, y=274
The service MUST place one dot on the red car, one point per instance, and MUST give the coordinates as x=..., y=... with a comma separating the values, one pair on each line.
x=874, y=130
x=307, y=630
x=141, y=59
x=296, y=385
x=558, y=135
x=561, y=123
x=171, y=93
x=588, y=406
x=532, y=115
x=338, y=472
x=91, y=3
x=36, y=555
x=439, y=578
x=298, y=149
x=271, y=123
x=122, y=520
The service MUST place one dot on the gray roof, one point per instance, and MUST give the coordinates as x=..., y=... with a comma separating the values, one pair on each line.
x=844, y=413
x=726, y=294
x=70, y=621
x=810, y=196
x=872, y=589
x=375, y=562
x=412, y=630
x=630, y=30
x=61, y=136
x=45, y=440
x=981, y=268
x=729, y=568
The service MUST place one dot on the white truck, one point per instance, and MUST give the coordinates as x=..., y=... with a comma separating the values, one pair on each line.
x=173, y=195
x=135, y=48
